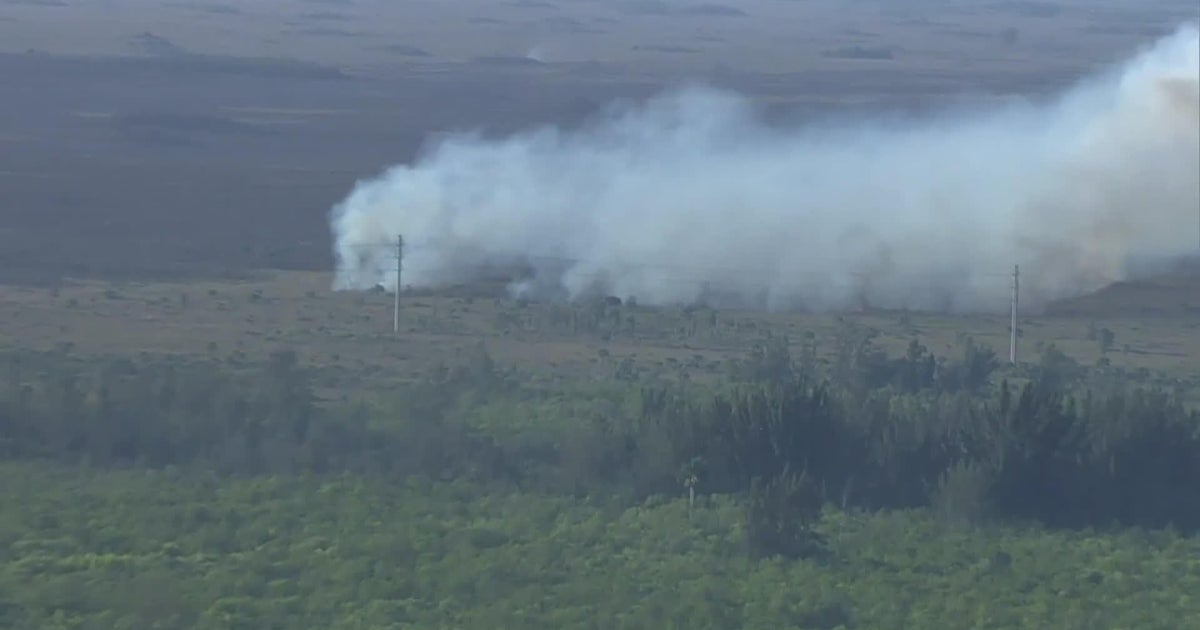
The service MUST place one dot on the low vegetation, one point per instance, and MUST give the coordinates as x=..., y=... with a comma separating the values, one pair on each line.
x=860, y=489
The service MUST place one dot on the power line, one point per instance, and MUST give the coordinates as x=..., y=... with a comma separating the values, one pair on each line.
x=1012, y=340
x=399, y=271
x=706, y=283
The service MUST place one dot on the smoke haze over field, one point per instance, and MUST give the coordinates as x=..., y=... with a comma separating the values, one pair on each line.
x=691, y=196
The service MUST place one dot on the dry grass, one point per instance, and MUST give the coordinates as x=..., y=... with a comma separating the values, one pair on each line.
x=350, y=333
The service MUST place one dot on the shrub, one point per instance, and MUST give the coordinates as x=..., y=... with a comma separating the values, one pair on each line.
x=780, y=514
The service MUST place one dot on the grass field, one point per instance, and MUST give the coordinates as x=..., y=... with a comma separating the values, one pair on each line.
x=169, y=550
x=1154, y=325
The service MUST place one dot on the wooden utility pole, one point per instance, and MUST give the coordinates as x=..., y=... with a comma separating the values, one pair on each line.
x=1012, y=340
x=399, y=270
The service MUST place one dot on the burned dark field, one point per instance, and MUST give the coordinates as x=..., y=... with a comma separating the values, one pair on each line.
x=196, y=431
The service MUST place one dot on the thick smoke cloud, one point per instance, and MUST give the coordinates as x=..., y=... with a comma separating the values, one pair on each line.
x=691, y=196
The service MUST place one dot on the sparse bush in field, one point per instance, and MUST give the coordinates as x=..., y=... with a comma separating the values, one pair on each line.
x=972, y=371
x=858, y=362
x=769, y=361
x=780, y=513
x=626, y=370
x=1056, y=370
x=962, y=493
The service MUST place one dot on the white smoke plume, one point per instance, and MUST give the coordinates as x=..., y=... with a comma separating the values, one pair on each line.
x=691, y=196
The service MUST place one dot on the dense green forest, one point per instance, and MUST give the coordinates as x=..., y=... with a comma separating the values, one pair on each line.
x=855, y=491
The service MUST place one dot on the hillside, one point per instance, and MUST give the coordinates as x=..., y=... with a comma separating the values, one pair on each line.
x=1173, y=294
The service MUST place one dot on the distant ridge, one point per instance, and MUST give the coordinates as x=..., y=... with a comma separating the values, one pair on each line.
x=1173, y=293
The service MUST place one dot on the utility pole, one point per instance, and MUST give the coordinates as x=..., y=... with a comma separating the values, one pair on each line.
x=399, y=269
x=1012, y=340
